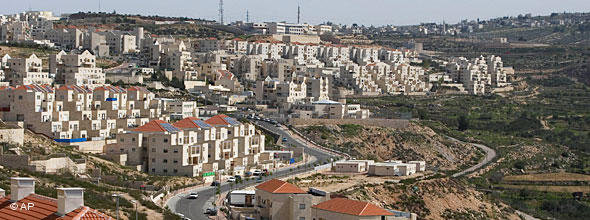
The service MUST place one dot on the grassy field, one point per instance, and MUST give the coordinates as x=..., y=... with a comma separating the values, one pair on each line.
x=549, y=177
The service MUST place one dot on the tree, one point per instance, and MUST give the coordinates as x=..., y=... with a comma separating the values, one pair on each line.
x=176, y=83
x=463, y=123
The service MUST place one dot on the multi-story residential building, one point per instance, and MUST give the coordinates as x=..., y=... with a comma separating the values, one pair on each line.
x=26, y=71
x=211, y=44
x=76, y=114
x=190, y=146
x=178, y=109
x=17, y=31
x=65, y=38
x=238, y=144
x=286, y=28
x=329, y=109
x=479, y=75
x=277, y=199
x=76, y=69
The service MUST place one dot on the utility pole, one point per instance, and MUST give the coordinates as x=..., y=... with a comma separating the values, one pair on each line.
x=298, y=14
x=247, y=16
x=221, y=12
x=135, y=203
x=99, y=6
x=117, y=210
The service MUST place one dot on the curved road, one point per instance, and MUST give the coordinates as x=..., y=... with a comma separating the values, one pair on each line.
x=490, y=155
x=194, y=208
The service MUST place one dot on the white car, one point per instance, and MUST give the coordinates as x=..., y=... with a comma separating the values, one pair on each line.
x=257, y=172
x=231, y=179
x=192, y=196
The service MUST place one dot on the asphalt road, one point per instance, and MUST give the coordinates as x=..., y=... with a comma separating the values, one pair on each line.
x=195, y=208
x=490, y=154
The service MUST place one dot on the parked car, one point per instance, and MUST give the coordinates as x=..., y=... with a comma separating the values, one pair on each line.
x=231, y=179
x=211, y=211
x=193, y=195
x=259, y=180
x=238, y=177
x=284, y=139
x=247, y=174
x=214, y=183
x=257, y=172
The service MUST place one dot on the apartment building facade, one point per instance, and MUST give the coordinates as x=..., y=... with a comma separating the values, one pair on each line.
x=190, y=146
x=75, y=114
x=76, y=69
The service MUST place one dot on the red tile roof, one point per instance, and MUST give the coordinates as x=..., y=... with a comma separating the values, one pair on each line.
x=137, y=88
x=279, y=186
x=45, y=208
x=155, y=126
x=224, y=74
x=80, y=89
x=37, y=88
x=352, y=207
x=114, y=89
x=188, y=123
x=218, y=120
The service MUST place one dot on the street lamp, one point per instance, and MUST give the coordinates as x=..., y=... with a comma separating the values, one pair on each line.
x=115, y=195
x=135, y=203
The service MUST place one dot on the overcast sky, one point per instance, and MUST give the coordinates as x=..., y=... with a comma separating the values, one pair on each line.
x=367, y=12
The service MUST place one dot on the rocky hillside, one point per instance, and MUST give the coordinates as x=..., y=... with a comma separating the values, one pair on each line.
x=413, y=143
x=432, y=199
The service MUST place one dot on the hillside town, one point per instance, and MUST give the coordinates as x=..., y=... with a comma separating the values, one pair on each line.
x=104, y=114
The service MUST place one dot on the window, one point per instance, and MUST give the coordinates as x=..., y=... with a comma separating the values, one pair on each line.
x=133, y=149
x=301, y=206
x=165, y=161
x=122, y=139
x=165, y=140
x=175, y=150
x=153, y=160
x=175, y=161
x=301, y=218
x=153, y=170
x=165, y=150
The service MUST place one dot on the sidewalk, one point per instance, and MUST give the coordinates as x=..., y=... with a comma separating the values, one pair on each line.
x=219, y=203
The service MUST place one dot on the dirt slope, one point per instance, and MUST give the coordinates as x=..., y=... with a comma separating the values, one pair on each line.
x=412, y=143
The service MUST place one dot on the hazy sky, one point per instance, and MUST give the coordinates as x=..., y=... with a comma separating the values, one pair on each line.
x=376, y=12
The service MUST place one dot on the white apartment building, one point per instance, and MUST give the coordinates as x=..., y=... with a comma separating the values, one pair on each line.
x=479, y=75
x=26, y=71
x=75, y=114
x=76, y=69
x=190, y=146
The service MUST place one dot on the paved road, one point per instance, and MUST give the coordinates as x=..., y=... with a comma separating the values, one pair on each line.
x=194, y=208
x=490, y=155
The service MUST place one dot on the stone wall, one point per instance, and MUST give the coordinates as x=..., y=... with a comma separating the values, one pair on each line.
x=378, y=122
x=90, y=146
x=13, y=161
x=12, y=135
